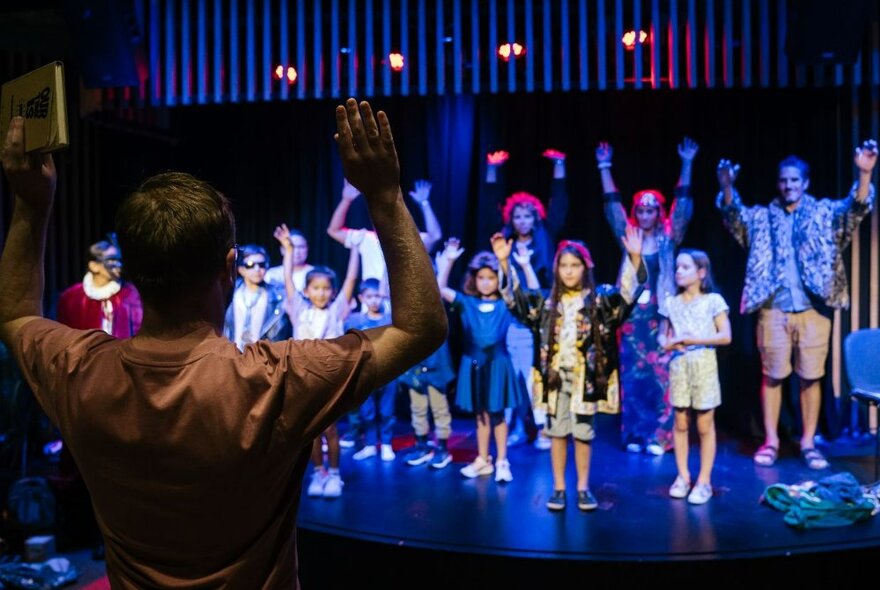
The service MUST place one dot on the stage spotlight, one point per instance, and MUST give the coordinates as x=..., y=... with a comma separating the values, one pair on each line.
x=629, y=39
x=396, y=61
x=291, y=74
x=507, y=50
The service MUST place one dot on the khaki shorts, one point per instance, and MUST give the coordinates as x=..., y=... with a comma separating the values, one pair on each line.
x=567, y=423
x=806, y=333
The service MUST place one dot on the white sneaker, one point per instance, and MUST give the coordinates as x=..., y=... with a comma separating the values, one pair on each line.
x=316, y=486
x=333, y=487
x=633, y=448
x=479, y=467
x=655, y=449
x=365, y=453
x=387, y=453
x=543, y=443
x=701, y=493
x=679, y=488
x=502, y=472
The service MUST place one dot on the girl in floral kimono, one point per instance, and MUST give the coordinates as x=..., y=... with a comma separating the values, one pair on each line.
x=578, y=360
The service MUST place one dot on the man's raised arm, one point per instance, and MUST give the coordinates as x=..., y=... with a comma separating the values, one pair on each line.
x=369, y=160
x=32, y=181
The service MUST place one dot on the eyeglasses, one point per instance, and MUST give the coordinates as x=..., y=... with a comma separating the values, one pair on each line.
x=253, y=264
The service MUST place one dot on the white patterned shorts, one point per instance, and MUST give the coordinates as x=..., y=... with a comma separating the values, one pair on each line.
x=693, y=380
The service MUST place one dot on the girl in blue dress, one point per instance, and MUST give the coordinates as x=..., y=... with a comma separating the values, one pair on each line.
x=487, y=382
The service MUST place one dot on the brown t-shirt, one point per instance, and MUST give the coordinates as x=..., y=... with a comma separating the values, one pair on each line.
x=193, y=452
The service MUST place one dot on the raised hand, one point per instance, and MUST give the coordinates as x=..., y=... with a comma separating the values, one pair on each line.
x=421, y=192
x=727, y=172
x=497, y=158
x=282, y=234
x=349, y=193
x=32, y=176
x=866, y=156
x=554, y=154
x=632, y=241
x=452, y=250
x=523, y=255
x=501, y=246
x=687, y=149
x=366, y=146
x=604, y=152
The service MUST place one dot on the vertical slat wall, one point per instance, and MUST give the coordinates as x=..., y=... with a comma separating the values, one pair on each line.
x=218, y=51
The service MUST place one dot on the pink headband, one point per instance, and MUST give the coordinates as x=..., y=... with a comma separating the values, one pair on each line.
x=581, y=249
x=523, y=199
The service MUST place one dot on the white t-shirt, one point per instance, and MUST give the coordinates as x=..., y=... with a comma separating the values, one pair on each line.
x=275, y=276
x=372, y=259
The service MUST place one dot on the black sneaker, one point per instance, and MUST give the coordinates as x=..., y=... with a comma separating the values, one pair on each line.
x=420, y=455
x=442, y=458
x=587, y=501
x=557, y=501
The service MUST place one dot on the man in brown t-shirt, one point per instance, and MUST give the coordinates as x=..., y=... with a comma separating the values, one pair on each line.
x=194, y=452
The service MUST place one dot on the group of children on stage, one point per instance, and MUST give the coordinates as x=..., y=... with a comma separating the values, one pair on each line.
x=539, y=337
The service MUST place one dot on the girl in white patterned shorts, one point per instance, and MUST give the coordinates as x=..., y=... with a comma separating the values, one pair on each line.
x=696, y=323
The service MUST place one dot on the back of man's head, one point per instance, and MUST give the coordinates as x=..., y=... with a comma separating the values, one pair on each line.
x=176, y=232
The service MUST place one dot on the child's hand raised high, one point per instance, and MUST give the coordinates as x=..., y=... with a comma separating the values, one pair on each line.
x=452, y=250
x=501, y=246
x=632, y=242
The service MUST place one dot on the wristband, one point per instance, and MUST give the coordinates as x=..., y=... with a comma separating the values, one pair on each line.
x=603, y=165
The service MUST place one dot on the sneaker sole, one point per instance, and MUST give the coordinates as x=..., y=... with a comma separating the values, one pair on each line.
x=555, y=507
x=420, y=460
x=443, y=463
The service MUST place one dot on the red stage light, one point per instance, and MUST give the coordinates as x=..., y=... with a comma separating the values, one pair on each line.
x=629, y=39
x=291, y=74
x=396, y=61
x=510, y=49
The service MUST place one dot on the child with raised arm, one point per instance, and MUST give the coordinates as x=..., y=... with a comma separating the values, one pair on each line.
x=696, y=322
x=318, y=313
x=578, y=359
x=487, y=382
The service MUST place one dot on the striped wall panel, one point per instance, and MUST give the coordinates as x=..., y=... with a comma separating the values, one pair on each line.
x=219, y=51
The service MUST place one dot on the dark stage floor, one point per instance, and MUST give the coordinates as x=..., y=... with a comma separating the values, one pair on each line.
x=418, y=507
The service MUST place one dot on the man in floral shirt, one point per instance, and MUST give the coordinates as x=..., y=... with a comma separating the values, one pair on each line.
x=795, y=277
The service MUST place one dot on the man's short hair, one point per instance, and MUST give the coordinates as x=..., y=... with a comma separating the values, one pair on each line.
x=795, y=162
x=371, y=283
x=176, y=231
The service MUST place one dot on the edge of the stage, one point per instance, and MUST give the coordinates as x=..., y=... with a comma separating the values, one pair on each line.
x=507, y=552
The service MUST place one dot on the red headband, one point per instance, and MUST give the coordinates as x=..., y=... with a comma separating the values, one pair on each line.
x=523, y=199
x=579, y=246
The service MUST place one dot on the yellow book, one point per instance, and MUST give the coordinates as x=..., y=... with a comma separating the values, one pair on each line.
x=39, y=97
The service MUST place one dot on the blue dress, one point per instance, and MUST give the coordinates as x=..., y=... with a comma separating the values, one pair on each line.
x=487, y=381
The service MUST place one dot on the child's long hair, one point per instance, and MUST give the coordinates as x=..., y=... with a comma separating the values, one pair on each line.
x=480, y=261
x=579, y=250
x=650, y=198
x=701, y=260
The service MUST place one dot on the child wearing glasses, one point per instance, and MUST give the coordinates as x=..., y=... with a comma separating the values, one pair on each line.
x=257, y=308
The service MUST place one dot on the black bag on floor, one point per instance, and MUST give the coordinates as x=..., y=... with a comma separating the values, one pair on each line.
x=32, y=503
